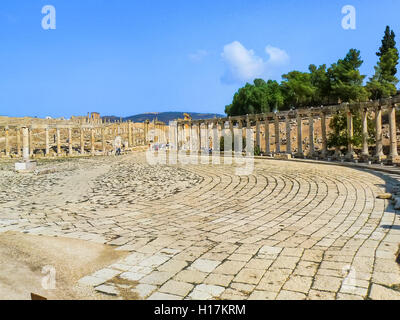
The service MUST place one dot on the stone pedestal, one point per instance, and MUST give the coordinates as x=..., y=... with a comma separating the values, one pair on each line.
x=25, y=166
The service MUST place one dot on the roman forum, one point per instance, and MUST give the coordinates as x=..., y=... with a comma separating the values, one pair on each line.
x=308, y=223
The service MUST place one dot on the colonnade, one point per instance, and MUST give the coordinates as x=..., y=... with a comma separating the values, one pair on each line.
x=68, y=138
x=195, y=134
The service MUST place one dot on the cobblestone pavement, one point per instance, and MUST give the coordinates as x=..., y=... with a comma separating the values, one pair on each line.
x=290, y=230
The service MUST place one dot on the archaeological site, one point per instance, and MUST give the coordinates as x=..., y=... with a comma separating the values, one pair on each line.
x=277, y=179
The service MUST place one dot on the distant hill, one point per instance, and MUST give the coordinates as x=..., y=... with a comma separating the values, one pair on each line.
x=165, y=116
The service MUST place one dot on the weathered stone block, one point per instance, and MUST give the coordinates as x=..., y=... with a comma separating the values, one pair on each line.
x=282, y=156
x=26, y=166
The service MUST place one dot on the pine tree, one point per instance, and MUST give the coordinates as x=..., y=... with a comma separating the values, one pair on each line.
x=383, y=83
x=346, y=79
x=388, y=42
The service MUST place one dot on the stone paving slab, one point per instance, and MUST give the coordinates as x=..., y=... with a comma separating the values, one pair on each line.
x=290, y=230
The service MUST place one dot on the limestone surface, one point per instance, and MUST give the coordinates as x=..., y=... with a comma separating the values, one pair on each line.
x=290, y=230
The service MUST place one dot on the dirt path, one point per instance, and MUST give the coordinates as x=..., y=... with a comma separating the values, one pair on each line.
x=23, y=257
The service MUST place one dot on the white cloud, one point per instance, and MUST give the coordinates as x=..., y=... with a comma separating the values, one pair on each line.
x=244, y=65
x=198, y=56
x=277, y=57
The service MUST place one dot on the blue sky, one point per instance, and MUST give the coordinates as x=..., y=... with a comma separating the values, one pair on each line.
x=124, y=57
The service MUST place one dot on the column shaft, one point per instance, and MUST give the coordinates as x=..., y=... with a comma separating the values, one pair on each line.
x=18, y=134
x=300, y=152
x=350, y=133
x=31, y=146
x=311, y=135
x=277, y=136
x=58, y=142
x=69, y=141
x=324, y=136
x=379, y=146
x=92, y=141
x=288, y=136
x=267, y=141
x=25, y=143
x=82, y=141
x=103, y=139
x=393, y=134
x=7, y=141
x=46, y=137
x=365, y=151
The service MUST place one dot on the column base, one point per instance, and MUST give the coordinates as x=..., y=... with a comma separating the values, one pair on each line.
x=351, y=156
x=379, y=158
x=299, y=155
x=365, y=158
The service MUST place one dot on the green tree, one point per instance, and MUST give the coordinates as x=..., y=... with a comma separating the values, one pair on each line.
x=321, y=82
x=346, y=80
x=260, y=97
x=388, y=42
x=297, y=89
x=383, y=83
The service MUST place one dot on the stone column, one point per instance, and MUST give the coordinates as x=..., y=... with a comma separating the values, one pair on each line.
x=266, y=137
x=46, y=133
x=394, y=156
x=220, y=128
x=300, y=152
x=146, y=132
x=324, y=136
x=69, y=141
x=25, y=144
x=288, y=136
x=365, y=151
x=58, y=142
x=350, y=132
x=92, y=142
x=82, y=142
x=6, y=129
x=232, y=134
x=277, y=135
x=207, y=137
x=311, y=135
x=176, y=137
x=216, y=137
x=31, y=146
x=191, y=137
x=183, y=136
x=258, y=138
x=379, y=155
x=103, y=139
x=130, y=140
x=199, y=137
x=18, y=134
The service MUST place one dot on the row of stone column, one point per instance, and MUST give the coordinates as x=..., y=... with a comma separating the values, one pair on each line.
x=136, y=136
x=183, y=127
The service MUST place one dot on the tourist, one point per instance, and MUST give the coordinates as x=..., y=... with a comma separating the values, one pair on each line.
x=117, y=145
